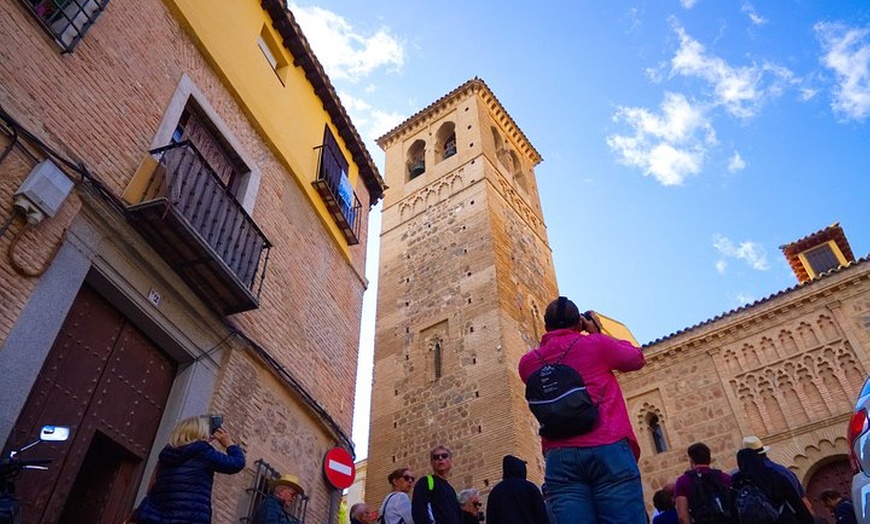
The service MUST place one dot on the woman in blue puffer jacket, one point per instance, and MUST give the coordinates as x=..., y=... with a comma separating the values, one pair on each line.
x=181, y=492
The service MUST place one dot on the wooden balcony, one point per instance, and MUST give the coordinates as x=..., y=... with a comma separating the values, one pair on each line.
x=178, y=203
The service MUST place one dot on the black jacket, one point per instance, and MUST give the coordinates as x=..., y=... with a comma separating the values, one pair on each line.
x=437, y=505
x=182, y=487
x=515, y=500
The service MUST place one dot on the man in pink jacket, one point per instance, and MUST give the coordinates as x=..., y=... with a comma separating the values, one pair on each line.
x=591, y=477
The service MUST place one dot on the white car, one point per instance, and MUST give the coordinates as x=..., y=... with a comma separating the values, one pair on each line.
x=859, y=440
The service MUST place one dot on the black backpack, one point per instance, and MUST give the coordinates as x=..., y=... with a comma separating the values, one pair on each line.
x=558, y=398
x=711, y=499
x=753, y=505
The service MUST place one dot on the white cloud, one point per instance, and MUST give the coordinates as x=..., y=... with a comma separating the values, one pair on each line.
x=670, y=145
x=345, y=53
x=741, y=90
x=371, y=122
x=750, y=252
x=808, y=93
x=736, y=163
x=721, y=264
x=754, y=17
x=847, y=53
x=688, y=4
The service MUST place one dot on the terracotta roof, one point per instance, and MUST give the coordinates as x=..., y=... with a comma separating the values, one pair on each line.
x=304, y=57
x=477, y=84
x=847, y=267
x=792, y=250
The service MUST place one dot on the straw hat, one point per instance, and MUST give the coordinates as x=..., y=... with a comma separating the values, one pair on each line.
x=754, y=443
x=288, y=480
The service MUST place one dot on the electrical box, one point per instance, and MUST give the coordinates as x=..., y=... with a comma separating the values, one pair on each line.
x=46, y=187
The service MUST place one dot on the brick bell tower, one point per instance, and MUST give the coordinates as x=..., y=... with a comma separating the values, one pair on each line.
x=465, y=275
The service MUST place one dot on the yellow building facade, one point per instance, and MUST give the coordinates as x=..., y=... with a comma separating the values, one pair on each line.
x=185, y=204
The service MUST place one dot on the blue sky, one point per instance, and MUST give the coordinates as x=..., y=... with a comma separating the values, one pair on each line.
x=683, y=141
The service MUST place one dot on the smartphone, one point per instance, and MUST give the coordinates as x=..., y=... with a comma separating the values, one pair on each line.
x=214, y=423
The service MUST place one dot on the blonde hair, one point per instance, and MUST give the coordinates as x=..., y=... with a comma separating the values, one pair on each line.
x=189, y=430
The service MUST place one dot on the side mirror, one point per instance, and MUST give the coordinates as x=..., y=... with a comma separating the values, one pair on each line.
x=54, y=433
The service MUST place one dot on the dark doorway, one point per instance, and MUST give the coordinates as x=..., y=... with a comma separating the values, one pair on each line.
x=107, y=381
x=834, y=474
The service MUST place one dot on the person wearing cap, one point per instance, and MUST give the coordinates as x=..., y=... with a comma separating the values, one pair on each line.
x=754, y=443
x=273, y=509
x=591, y=477
x=515, y=500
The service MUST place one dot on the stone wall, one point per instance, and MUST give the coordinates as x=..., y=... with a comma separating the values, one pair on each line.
x=787, y=369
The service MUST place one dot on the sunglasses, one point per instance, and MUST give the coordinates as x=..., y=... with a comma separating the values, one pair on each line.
x=477, y=504
x=439, y=456
x=409, y=478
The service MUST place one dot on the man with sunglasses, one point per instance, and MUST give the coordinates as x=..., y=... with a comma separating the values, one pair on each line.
x=591, y=476
x=434, y=500
x=469, y=503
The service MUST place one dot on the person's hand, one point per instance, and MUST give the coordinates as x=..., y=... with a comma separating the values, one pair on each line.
x=591, y=322
x=223, y=436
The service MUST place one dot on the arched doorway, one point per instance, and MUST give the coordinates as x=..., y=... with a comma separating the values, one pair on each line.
x=833, y=472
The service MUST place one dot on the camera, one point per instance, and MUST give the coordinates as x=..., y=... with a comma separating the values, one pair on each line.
x=214, y=423
x=590, y=317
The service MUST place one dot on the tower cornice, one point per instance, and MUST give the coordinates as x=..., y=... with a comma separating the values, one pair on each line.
x=475, y=86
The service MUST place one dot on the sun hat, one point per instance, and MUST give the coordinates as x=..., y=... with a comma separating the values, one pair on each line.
x=288, y=480
x=754, y=443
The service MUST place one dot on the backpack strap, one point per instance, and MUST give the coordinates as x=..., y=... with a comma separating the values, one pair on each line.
x=558, y=360
x=431, y=481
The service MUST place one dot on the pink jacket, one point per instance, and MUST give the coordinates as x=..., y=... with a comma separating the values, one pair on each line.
x=595, y=357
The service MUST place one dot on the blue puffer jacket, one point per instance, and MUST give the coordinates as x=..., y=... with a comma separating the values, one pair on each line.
x=182, y=488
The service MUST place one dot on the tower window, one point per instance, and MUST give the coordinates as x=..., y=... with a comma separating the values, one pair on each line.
x=416, y=159
x=445, y=144
x=436, y=359
x=657, y=433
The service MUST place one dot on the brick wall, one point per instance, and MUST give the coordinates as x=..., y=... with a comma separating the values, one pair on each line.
x=464, y=258
x=101, y=105
x=787, y=370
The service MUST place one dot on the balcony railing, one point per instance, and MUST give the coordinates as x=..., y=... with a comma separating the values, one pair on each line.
x=199, y=228
x=338, y=195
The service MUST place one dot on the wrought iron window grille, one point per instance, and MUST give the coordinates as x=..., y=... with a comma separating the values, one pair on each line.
x=66, y=21
x=260, y=488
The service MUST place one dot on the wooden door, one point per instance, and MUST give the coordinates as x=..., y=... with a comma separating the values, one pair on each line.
x=836, y=474
x=107, y=381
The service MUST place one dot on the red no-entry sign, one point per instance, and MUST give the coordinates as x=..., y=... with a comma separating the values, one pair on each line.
x=338, y=468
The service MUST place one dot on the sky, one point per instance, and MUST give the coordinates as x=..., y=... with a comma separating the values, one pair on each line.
x=683, y=141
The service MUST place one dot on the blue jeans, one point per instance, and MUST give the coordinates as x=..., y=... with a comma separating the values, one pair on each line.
x=594, y=485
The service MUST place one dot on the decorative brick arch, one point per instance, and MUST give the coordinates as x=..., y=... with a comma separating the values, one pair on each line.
x=823, y=465
x=647, y=413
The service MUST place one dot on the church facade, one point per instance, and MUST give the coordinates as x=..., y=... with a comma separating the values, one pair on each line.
x=787, y=369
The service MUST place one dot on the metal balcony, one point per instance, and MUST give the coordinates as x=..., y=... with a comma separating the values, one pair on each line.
x=337, y=193
x=192, y=220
